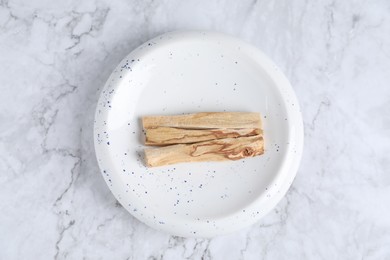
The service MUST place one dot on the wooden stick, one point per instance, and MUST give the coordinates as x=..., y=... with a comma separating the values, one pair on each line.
x=206, y=120
x=215, y=150
x=168, y=135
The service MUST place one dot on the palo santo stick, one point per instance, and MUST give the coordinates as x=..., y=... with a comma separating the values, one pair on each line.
x=169, y=135
x=205, y=120
x=215, y=150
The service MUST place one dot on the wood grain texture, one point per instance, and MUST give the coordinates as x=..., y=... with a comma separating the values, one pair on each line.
x=169, y=135
x=215, y=150
x=205, y=120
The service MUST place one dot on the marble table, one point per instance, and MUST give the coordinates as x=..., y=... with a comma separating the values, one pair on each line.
x=54, y=59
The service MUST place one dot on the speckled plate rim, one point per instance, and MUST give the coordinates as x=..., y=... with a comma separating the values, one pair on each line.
x=288, y=167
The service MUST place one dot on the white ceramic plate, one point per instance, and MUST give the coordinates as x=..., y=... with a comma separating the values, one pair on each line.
x=187, y=72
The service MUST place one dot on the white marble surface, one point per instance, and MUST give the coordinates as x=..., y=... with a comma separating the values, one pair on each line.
x=54, y=57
